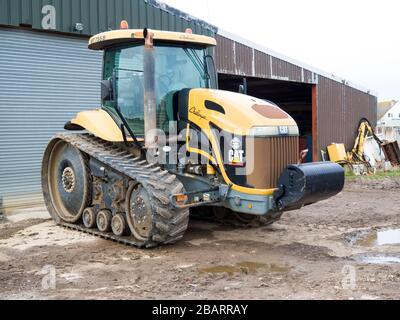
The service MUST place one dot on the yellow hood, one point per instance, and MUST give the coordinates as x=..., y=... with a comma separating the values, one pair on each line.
x=235, y=112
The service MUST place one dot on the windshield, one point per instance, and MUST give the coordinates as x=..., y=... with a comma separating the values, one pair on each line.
x=176, y=68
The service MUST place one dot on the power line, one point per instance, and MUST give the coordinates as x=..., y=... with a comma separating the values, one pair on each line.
x=208, y=11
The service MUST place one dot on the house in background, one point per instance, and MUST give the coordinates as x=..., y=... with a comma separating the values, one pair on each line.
x=388, y=125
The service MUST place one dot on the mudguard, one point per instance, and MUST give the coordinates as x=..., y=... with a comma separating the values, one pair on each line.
x=97, y=122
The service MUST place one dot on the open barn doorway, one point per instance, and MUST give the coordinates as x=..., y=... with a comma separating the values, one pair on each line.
x=293, y=97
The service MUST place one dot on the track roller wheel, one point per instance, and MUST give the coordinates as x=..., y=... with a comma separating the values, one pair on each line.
x=89, y=218
x=103, y=220
x=118, y=225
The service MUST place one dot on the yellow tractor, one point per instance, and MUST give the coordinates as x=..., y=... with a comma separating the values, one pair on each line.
x=166, y=143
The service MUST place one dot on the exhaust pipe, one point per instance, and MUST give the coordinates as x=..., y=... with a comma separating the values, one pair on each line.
x=150, y=103
x=304, y=184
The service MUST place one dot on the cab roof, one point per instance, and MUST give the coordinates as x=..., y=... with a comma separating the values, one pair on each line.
x=109, y=38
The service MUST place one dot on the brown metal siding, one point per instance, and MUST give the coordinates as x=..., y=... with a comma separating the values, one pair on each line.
x=308, y=76
x=243, y=59
x=223, y=54
x=283, y=70
x=237, y=59
x=233, y=57
x=262, y=64
x=339, y=111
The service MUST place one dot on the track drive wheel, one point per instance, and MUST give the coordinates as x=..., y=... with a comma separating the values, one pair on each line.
x=66, y=181
x=150, y=217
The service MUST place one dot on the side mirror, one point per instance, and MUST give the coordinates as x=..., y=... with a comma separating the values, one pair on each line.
x=243, y=87
x=106, y=90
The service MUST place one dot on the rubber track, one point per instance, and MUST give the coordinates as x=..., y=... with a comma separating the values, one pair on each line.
x=108, y=236
x=169, y=225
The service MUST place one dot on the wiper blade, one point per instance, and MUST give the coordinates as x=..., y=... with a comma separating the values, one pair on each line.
x=133, y=70
x=197, y=57
x=196, y=61
x=203, y=65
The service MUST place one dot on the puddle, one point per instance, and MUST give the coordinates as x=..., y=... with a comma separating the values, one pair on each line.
x=246, y=267
x=379, y=238
x=251, y=267
x=220, y=269
x=374, y=238
x=378, y=259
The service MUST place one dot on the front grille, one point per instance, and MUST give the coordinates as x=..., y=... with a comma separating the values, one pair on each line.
x=269, y=155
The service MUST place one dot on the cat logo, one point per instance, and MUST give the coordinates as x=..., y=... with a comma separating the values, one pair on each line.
x=236, y=154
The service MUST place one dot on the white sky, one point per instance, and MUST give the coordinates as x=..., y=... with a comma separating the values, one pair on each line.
x=358, y=40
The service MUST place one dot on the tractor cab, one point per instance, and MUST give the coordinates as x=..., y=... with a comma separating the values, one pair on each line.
x=138, y=72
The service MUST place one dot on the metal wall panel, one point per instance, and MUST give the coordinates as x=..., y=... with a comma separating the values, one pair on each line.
x=101, y=15
x=283, y=70
x=243, y=59
x=262, y=64
x=308, y=76
x=223, y=54
x=339, y=111
x=238, y=59
x=45, y=79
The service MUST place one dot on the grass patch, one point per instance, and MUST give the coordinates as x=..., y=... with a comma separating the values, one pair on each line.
x=349, y=175
x=379, y=175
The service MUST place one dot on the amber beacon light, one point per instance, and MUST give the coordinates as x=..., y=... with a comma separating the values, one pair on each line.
x=124, y=24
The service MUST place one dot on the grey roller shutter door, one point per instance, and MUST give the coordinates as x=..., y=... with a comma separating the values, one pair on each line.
x=44, y=80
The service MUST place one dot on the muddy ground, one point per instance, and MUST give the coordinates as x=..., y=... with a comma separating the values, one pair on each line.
x=324, y=251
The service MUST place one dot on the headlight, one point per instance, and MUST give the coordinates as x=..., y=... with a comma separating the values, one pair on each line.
x=274, y=131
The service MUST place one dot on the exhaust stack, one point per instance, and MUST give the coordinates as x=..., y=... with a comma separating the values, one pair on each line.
x=150, y=103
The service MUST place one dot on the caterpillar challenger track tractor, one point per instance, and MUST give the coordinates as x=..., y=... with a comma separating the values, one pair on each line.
x=166, y=144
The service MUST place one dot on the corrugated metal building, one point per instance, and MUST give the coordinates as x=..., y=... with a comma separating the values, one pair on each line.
x=48, y=74
x=327, y=108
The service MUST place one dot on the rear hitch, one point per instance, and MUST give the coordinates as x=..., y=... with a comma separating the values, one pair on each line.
x=304, y=184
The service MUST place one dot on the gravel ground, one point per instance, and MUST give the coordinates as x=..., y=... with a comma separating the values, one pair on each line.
x=324, y=251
